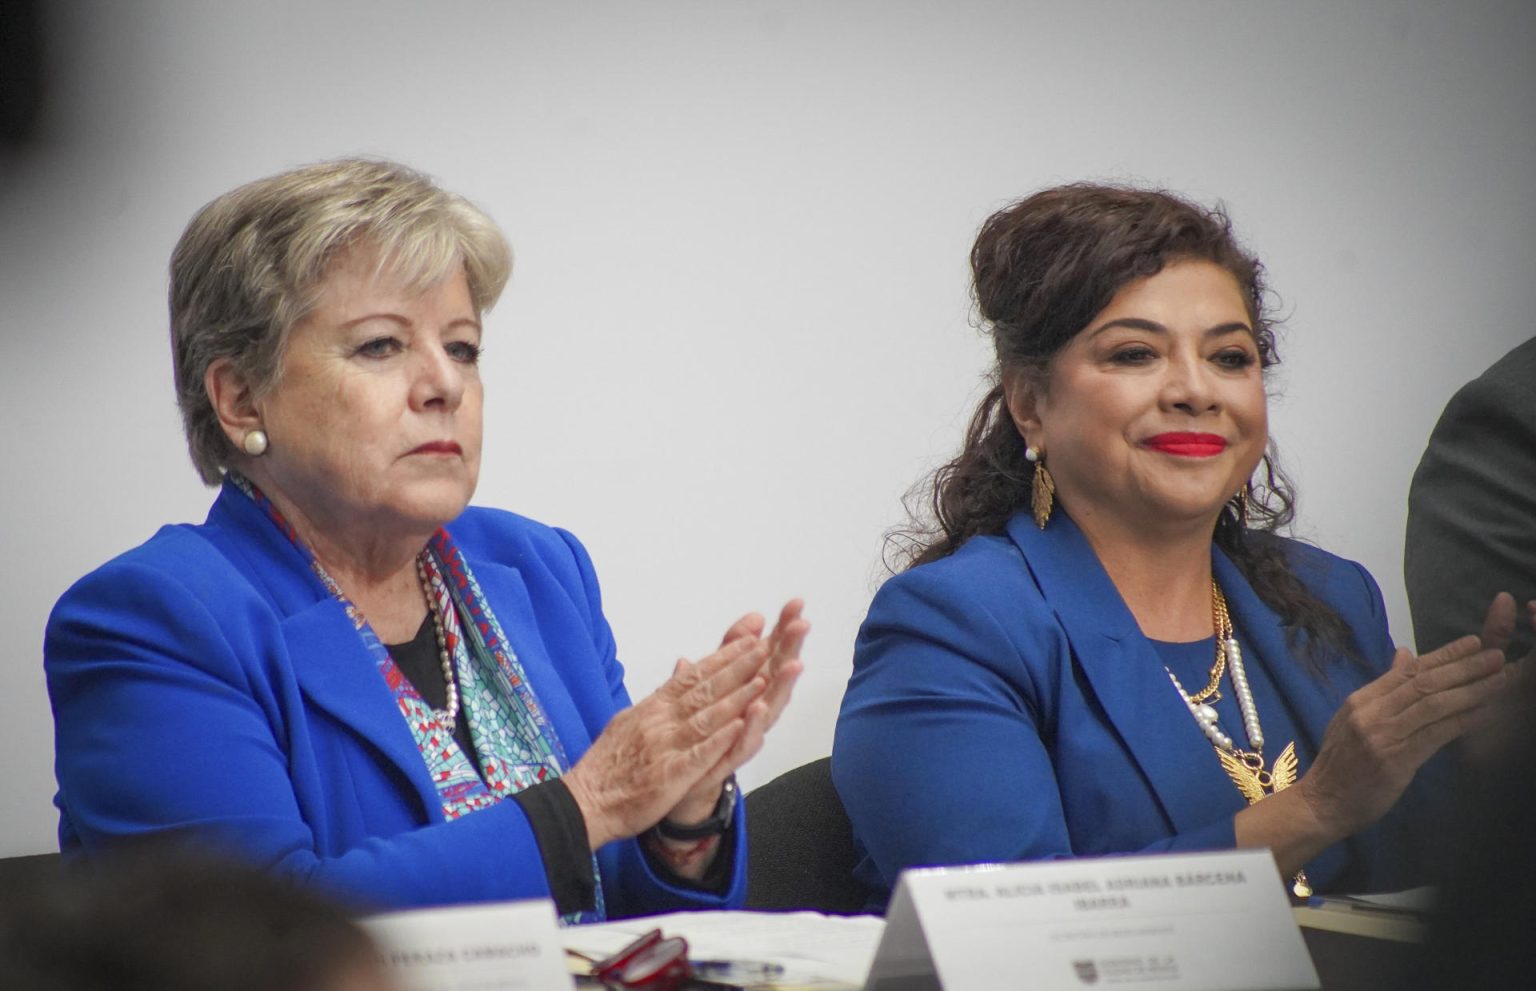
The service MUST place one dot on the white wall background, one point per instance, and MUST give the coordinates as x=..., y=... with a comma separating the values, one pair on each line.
x=738, y=328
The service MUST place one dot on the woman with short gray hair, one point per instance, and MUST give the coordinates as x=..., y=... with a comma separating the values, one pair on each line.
x=346, y=673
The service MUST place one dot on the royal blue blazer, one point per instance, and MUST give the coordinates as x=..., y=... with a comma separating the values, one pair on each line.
x=206, y=685
x=1005, y=706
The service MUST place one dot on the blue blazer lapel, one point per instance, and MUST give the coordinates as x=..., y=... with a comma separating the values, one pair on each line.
x=337, y=675
x=1123, y=670
x=333, y=668
x=264, y=554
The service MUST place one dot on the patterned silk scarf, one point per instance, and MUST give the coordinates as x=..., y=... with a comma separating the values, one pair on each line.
x=511, y=732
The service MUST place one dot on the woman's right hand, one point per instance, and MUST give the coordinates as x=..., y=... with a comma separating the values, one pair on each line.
x=1385, y=731
x=652, y=753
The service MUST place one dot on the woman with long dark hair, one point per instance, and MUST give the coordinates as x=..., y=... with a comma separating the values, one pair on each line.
x=1100, y=644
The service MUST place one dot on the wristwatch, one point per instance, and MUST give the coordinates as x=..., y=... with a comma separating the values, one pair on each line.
x=718, y=822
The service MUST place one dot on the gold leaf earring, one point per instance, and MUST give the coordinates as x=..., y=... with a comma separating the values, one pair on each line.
x=1042, y=493
x=1240, y=506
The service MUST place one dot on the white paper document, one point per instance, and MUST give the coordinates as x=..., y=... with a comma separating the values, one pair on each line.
x=1185, y=922
x=506, y=946
x=1400, y=916
x=817, y=952
x=1414, y=901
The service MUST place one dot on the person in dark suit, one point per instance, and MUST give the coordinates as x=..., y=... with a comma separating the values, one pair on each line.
x=1485, y=909
x=1100, y=644
x=345, y=674
x=1471, y=535
x=1472, y=505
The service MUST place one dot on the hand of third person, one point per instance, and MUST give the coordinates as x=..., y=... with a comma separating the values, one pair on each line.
x=1513, y=709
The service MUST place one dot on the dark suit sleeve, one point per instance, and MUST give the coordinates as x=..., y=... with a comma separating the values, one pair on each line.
x=1472, y=507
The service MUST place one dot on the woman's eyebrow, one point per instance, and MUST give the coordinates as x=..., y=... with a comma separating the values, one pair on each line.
x=403, y=321
x=1153, y=327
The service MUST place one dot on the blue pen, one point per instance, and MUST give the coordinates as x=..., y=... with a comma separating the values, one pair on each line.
x=737, y=971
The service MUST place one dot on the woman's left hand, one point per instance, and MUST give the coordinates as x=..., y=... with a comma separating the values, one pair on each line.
x=781, y=668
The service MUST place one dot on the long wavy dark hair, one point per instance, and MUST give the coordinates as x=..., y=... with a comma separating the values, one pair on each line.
x=1042, y=268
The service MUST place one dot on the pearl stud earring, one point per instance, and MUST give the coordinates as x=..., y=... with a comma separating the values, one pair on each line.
x=255, y=443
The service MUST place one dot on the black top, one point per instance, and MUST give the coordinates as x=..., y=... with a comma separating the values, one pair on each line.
x=552, y=813
x=421, y=662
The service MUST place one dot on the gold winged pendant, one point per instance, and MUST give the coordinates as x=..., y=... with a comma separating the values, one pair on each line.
x=1255, y=783
x=1283, y=774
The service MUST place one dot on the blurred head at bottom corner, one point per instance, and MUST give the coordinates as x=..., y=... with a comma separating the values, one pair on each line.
x=177, y=922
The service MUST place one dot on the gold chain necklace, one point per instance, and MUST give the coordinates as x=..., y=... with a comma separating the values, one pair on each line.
x=1222, y=623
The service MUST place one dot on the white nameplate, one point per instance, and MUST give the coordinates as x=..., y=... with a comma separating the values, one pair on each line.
x=504, y=946
x=1180, y=921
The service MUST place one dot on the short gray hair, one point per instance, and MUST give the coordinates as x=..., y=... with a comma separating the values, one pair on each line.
x=250, y=265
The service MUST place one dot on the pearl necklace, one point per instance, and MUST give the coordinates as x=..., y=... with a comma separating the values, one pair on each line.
x=448, y=715
x=1229, y=658
x=1244, y=767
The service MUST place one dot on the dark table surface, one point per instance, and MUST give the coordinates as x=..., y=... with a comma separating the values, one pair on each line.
x=1360, y=963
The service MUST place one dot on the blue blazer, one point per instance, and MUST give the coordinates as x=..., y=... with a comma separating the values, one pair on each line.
x=206, y=684
x=1005, y=706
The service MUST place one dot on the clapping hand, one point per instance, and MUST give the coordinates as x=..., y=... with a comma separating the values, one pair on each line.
x=780, y=669
x=1385, y=731
x=1514, y=706
x=668, y=755
x=1382, y=735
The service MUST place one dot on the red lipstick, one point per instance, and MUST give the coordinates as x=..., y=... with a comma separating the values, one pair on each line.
x=438, y=447
x=1187, y=445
